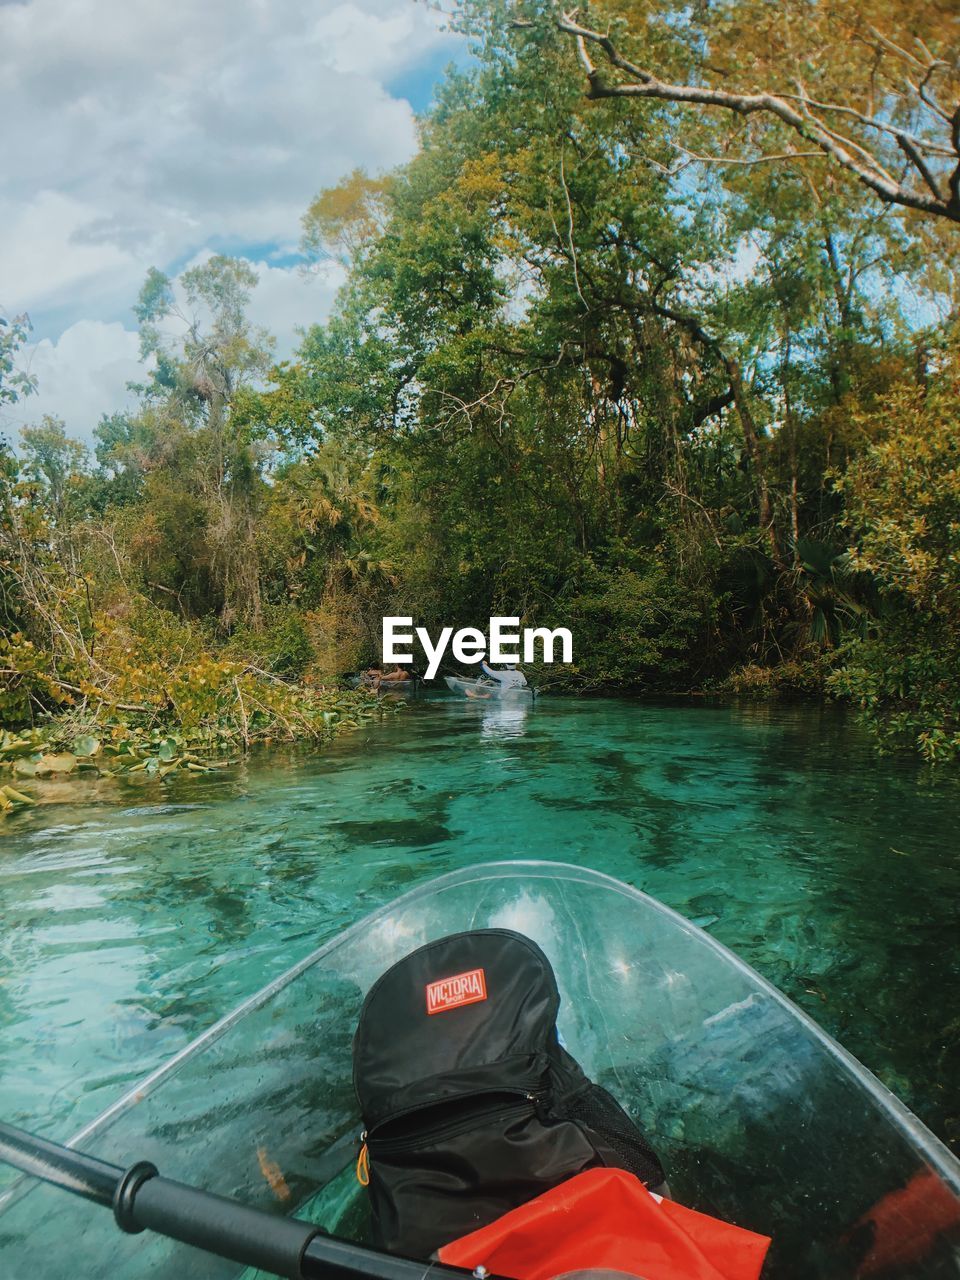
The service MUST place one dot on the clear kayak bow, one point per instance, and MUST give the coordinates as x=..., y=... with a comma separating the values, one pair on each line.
x=760, y=1118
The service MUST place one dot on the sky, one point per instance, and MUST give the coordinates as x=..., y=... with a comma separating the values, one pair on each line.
x=141, y=133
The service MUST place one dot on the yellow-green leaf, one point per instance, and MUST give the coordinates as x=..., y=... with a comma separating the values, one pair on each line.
x=16, y=797
x=61, y=762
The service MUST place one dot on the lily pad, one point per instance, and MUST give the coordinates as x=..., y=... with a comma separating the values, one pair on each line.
x=12, y=746
x=86, y=745
x=61, y=762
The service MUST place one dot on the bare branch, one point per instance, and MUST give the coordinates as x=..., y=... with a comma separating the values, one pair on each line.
x=844, y=140
x=496, y=398
x=920, y=164
x=925, y=96
x=851, y=155
x=572, y=246
x=871, y=122
x=745, y=162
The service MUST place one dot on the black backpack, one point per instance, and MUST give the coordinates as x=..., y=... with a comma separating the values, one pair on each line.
x=470, y=1104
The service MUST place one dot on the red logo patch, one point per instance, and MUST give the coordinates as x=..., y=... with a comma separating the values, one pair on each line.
x=451, y=993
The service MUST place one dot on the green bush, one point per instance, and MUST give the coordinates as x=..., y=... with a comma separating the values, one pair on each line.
x=795, y=678
x=634, y=628
x=280, y=645
x=903, y=505
x=906, y=682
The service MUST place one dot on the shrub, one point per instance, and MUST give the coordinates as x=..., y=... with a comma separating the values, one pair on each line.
x=903, y=510
x=634, y=627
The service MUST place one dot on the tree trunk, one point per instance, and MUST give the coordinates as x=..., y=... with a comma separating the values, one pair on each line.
x=754, y=447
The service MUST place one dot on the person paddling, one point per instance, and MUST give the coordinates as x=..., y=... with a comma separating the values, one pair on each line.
x=511, y=678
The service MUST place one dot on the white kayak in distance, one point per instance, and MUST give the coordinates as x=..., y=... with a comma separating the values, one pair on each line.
x=759, y=1117
x=482, y=689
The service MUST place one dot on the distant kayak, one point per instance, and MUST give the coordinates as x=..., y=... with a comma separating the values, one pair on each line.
x=484, y=689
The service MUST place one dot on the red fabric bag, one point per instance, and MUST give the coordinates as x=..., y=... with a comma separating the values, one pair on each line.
x=607, y=1219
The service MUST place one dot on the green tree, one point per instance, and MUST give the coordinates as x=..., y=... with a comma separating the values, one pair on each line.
x=14, y=381
x=903, y=512
x=206, y=355
x=57, y=465
x=869, y=87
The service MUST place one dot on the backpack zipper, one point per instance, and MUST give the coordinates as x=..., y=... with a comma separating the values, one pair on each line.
x=526, y=1100
x=521, y=1091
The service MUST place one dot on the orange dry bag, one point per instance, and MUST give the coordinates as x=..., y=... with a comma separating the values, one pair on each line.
x=605, y=1219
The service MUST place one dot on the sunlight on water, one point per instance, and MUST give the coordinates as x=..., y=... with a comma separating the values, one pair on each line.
x=133, y=918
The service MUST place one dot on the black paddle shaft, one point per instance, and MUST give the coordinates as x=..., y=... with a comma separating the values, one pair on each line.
x=141, y=1199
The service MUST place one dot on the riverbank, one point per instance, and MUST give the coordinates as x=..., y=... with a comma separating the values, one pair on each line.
x=223, y=709
x=220, y=710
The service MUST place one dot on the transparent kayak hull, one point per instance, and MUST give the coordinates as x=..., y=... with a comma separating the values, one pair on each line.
x=759, y=1117
x=484, y=689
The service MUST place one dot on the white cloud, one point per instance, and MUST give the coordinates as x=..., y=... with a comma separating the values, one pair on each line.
x=285, y=301
x=145, y=133
x=86, y=371
x=42, y=259
x=358, y=39
x=81, y=375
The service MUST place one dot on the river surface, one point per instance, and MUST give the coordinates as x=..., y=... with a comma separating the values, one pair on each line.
x=133, y=916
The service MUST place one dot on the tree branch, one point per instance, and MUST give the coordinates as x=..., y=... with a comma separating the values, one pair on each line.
x=573, y=248
x=910, y=150
x=871, y=122
x=866, y=167
x=747, y=162
x=710, y=408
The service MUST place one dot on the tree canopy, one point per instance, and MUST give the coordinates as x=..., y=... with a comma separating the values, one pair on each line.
x=654, y=338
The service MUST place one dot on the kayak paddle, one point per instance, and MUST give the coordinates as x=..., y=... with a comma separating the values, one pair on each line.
x=143, y=1200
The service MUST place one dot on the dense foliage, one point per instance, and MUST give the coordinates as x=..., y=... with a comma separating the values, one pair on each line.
x=614, y=362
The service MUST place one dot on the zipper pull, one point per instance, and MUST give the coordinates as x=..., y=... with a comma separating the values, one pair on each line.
x=540, y=1106
x=363, y=1162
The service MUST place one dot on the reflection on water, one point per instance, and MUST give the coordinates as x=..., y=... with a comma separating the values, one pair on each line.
x=135, y=915
x=505, y=718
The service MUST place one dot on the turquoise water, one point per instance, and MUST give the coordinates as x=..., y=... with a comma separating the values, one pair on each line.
x=134, y=916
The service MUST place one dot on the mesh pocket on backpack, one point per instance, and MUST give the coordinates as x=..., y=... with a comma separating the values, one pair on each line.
x=595, y=1110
